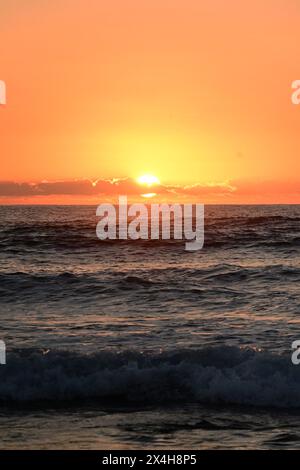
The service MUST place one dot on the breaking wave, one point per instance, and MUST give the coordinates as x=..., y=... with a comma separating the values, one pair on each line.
x=215, y=375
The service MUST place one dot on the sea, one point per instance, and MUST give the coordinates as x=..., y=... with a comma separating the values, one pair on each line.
x=124, y=344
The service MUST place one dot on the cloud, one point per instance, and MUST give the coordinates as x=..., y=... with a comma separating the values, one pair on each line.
x=117, y=186
x=236, y=191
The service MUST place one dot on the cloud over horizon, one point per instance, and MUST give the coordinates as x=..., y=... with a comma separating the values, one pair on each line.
x=86, y=188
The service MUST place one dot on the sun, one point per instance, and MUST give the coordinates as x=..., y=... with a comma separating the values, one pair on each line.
x=148, y=180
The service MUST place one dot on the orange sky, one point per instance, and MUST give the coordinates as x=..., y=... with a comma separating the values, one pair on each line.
x=195, y=92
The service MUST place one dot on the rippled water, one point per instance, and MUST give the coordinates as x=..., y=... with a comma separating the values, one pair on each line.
x=149, y=344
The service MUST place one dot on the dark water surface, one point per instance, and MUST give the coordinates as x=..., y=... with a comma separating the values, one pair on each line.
x=191, y=350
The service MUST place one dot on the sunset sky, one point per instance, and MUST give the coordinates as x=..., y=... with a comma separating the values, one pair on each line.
x=195, y=92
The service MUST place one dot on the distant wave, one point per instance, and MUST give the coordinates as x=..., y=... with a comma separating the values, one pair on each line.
x=15, y=285
x=220, y=375
x=281, y=231
x=42, y=285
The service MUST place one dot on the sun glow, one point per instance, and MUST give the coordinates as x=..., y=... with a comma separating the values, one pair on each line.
x=148, y=195
x=148, y=180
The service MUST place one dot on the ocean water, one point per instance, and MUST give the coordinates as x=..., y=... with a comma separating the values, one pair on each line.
x=141, y=344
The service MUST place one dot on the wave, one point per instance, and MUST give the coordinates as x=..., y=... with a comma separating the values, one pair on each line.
x=40, y=285
x=215, y=375
x=279, y=231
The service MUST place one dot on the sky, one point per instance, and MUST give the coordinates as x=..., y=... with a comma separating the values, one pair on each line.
x=195, y=92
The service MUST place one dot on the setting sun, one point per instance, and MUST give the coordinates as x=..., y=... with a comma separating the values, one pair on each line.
x=148, y=180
